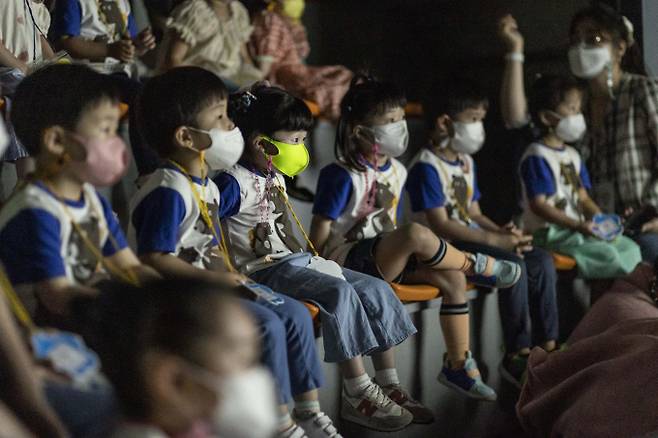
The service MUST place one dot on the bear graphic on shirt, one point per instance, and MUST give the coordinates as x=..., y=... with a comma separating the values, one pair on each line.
x=457, y=206
x=202, y=241
x=259, y=236
x=380, y=221
x=79, y=256
x=113, y=18
x=569, y=179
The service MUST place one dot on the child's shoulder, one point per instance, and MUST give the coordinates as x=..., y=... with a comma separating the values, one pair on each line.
x=337, y=171
x=30, y=197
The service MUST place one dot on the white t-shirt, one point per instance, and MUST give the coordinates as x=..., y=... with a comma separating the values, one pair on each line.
x=165, y=217
x=260, y=230
x=19, y=32
x=362, y=205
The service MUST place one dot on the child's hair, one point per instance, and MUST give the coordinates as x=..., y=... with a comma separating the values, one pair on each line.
x=451, y=97
x=366, y=98
x=609, y=20
x=265, y=110
x=171, y=316
x=175, y=99
x=547, y=93
x=57, y=95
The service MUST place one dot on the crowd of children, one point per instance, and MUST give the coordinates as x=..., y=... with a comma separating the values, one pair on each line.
x=193, y=322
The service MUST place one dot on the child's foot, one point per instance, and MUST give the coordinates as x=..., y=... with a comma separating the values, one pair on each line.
x=375, y=410
x=293, y=431
x=513, y=369
x=466, y=380
x=316, y=425
x=490, y=272
x=421, y=414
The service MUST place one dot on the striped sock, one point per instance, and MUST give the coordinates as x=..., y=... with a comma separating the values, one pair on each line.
x=454, y=319
x=438, y=257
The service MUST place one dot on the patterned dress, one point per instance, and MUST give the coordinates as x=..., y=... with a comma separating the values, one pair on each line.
x=284, y=42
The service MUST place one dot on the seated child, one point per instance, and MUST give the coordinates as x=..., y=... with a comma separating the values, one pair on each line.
x=355, y=223
x=93, y=30
x=212, y=35
x=360, y=314
x=175, y=228
x=279, y=41
x=56, y=232
x=443, y=190
x=557, y=206
x=191, y=371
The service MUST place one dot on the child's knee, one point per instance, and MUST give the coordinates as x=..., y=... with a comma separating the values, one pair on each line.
x=273, y=331
x=416, y=234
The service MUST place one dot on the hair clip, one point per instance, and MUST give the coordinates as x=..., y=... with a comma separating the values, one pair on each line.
x=244, y=101
x=630, y=28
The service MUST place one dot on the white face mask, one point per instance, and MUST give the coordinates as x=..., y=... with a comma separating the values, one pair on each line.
x=247, y=406
x=392, y=138
x=225, y=149
x=4, y=138
x=588, y=62
x=571, y=128
x=469, y=137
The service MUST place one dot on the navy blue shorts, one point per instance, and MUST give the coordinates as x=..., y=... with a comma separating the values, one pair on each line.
x=361, y=258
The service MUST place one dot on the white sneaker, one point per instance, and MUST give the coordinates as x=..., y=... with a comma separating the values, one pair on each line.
x=294, y=431
x=375, y=410
x=317, y=425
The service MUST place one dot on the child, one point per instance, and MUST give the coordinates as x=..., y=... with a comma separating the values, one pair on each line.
x=280, y=40
x=558, y=209
x=57, y=231
x=354, y=223
x=174, y=227
x=212, y=35
x=192, y=366
x=93, y=30
x=360, y=314
x=443, y=190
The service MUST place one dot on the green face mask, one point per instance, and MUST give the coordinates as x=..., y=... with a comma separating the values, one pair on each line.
x=291, y=160
x=293, y=8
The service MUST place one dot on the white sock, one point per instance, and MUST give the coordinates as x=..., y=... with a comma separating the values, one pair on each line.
x=357, y=385
x=285, y=422
x=306, y=408
x=387, y=377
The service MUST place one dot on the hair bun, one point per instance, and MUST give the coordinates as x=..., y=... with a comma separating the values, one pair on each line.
x=243, y=101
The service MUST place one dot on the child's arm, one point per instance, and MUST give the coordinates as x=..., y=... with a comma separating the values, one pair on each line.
x=320, y=229
x=587, y=204
x=46, y=51
x=514, y=105
x=8, y=59
x=126, y=260
x=171, y=266
x=443, y=226
x=175, y=55
x=81, y=48
x=543, y=209
x=56, y=294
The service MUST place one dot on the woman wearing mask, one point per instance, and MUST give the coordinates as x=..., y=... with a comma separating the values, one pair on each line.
x=621, y=111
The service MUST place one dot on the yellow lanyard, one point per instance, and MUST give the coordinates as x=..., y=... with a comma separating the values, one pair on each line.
x=127, y=275
x=15, y=303
x=299, y=224
x=205, y=214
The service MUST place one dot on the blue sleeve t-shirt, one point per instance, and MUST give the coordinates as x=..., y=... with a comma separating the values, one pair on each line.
x=425, y=188
x=538, y=178
x=333, y=193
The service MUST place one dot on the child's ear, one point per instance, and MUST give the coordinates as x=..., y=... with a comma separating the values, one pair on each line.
x=53, y=140
x=444, y=126
x=183, y=137
x=547, y=118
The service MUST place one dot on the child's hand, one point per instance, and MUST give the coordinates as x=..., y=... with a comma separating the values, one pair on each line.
x=586, y=229
x=123, y=50
x=144, y=42
x=508, y=31
x=651, y=226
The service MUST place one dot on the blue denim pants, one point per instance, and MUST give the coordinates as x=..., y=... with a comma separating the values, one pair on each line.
x=288, y=345
x=360, y=315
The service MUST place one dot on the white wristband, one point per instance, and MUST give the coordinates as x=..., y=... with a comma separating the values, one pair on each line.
x=515, y=56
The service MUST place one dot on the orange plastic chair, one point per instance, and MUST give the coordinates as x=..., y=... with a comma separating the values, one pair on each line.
x=314, y=107
x=123, y=109
x=563, y=262
x=413, y=109
x=415, y=292
x=313, y=310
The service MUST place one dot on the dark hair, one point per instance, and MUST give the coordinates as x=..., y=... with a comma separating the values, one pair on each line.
x=174, y=316
x=265, y=110
x=175, y=99
x=612, y=22
x=451, y=97
x=547, y=93
x=57, y=95
x=365, y=98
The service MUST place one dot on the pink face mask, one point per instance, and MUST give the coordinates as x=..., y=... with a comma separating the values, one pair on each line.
x=106, y=162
